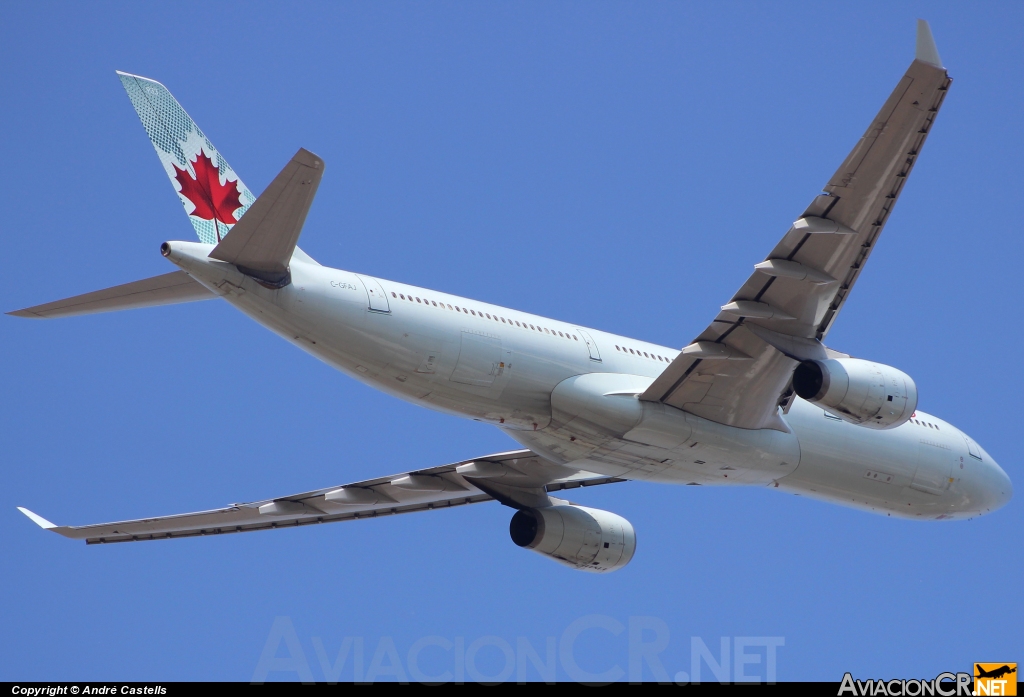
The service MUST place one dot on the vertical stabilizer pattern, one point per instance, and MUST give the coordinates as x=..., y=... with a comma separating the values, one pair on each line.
x=212, y=194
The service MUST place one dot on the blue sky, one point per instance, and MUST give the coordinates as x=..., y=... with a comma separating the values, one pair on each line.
x=617, y=165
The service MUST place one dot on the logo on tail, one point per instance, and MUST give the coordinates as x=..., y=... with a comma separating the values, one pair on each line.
x=212, y=199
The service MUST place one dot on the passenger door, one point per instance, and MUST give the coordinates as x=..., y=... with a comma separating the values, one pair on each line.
x=595, y=354
x=378, y=298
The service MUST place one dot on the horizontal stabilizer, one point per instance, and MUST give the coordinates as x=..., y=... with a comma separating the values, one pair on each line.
x=262, y=242
x=168, y=289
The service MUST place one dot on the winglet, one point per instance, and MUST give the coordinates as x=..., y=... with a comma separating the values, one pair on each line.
x=37, y=519
x=926, y=50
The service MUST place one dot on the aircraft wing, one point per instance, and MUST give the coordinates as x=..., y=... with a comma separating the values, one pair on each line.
x=519, y=479
x=739, y=370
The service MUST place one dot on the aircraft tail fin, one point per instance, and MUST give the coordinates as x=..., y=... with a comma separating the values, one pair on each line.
x=212, y=194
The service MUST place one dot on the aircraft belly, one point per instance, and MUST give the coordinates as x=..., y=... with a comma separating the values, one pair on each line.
x=656, y=442
x=861, y=468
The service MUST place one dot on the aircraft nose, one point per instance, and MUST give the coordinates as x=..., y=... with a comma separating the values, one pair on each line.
x=1003, y=486
x=997, y=489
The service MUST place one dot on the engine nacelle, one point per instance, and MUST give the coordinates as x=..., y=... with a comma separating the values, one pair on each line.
x=587, y=539
x=861, y=392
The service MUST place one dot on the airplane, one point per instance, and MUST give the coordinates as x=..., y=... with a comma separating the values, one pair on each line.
x=996, y=672
x=756, y=399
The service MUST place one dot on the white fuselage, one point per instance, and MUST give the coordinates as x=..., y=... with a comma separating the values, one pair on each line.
x=569, y=394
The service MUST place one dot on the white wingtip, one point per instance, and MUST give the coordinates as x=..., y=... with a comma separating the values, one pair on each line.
x=37, y=519
x=926, y=50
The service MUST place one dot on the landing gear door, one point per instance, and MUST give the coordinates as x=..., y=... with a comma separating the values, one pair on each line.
x=595, y=354
x=378, y=298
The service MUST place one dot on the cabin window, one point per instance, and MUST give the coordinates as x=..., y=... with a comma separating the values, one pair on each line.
x=393, y=294
x=403, y=297
x=574, y=337
x=632, y=351
x=433, y=303
x=449, y=307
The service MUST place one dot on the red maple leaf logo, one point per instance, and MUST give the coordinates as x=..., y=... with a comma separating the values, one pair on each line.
x=213, y=200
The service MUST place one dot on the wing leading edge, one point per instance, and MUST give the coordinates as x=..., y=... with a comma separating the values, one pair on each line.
x=738, y=371
x=519, y=479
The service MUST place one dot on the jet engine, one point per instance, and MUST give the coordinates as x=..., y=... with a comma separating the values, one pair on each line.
x=588, y=539
x=861, y=392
